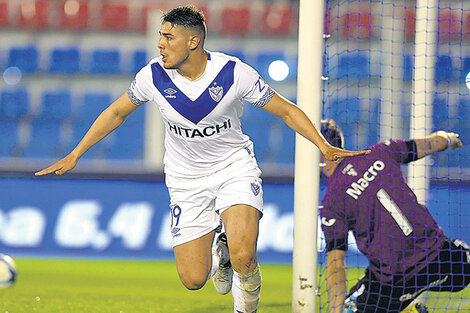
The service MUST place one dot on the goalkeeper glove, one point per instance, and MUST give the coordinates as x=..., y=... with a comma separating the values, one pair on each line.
x=453, y=140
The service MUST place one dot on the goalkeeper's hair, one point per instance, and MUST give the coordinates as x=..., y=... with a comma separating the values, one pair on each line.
x=332, y=133
x=187, y=16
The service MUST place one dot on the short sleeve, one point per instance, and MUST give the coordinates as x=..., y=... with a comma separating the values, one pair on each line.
x=401, y=151
x=141, y=88
x=252, y=86
x=335, y=227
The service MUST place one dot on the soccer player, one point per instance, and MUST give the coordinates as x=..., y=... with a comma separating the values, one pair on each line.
x=210, y=166
x=407, y=251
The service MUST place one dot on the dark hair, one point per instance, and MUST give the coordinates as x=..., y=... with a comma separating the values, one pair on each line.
x=332, y=133
x=186, y=16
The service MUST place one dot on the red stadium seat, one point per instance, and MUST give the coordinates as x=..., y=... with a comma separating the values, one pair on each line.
x=277, y=19
x=235, y=19
x=115, y=16
x=466, y=26
x=74, y=14
x=410, y=23
x=144, y=12
x=3, y=13
x=449, y=24
x=34, y=14
x=357, y=23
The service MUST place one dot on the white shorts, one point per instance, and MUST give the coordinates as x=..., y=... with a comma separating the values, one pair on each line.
x=196, y=203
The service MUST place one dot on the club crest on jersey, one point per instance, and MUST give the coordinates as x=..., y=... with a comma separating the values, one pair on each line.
x=255, y=188
x=170, y=93
x=216, y=92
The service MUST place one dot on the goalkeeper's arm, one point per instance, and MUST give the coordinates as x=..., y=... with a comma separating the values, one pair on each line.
x=336, y=280
x=437, y=142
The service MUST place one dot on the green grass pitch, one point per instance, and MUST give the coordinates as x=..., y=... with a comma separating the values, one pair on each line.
x=102, y=286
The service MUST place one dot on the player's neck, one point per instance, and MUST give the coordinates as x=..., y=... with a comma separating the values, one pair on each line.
x=194, y=66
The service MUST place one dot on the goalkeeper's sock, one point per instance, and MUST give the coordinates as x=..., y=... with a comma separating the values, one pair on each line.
x=246, y=290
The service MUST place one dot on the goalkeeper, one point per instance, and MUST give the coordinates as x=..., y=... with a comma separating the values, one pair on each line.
x=407, y=251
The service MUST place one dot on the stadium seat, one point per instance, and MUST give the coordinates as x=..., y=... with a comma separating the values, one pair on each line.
x=357, y=23
x=449, y=24
x=106, y=61
x=277, y=19
x=14, y=104
x=345, y=111
x=34, y=14
x=25, y=58
x=466, y=25
x=115, y=16
x=44, y=141
x=8, y=137
x=56, y=105
x=443, y=71
x=353, y=66
x=440, y=115
x=65, y=60
x=139, y=58
x=407, y=67
x=410, y=23
x=4, y=20
x=235, y=19
x=92, y=106
x=287, y=149
x=128, y=142
x=74, y=14
x=463, y=117
x=264, y=59
x=465, y=68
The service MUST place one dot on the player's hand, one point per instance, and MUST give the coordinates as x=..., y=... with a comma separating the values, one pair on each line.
x=61, y=167
x=333, y=154
x=453, y=140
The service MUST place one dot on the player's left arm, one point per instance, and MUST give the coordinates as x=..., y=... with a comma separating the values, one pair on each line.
x=437, y=142
x=296, y=119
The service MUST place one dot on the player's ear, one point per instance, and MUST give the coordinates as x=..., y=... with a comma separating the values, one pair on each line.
x=194, y=42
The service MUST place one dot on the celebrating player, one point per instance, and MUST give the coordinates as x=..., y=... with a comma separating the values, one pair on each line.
x=407, y=251
x=210, y=166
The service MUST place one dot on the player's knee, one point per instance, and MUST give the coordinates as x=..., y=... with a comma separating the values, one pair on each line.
x=193, y=281
x=243, y=260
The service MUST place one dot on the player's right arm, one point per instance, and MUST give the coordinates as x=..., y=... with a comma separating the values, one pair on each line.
x=336, y=280
x=105, y=123
x=437, y=142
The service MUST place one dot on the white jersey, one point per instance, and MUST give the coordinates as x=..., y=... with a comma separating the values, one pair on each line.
x=202, y=117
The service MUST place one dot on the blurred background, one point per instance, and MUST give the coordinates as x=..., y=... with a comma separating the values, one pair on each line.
x=63, y=62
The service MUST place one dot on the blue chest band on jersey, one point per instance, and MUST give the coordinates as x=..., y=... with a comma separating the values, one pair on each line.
x=195, y=110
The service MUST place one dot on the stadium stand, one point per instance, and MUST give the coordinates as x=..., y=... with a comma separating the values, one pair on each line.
x=105, y=61
x=235, y=19
x=24, y=58
x=74, y=15
x=115, y=16
x=4, y=20
x=444, y=70
x=34, y=14
x=277, y=19
x=357, y=23
x=265, y=58
x=65, y=60
x=353, y=66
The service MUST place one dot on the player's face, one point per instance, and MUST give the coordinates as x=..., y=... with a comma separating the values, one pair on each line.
x=174, y=45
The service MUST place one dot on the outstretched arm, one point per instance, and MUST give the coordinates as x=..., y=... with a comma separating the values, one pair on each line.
x=296, y=119
x=105, y=123
x=336, y=280
x=437, y=142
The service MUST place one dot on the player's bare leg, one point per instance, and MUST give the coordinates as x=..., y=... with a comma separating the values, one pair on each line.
x=194, y=261
x=241, y=226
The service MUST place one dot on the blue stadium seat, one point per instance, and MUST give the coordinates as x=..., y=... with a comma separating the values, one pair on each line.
x=128, y=142
x=465, y=68
x=463, y=126
x=65, y=60
x=56, y=105
x=407, y=67
x=14, y=104
x=25, y=58
x=440, y=115
x=140, y=60
x=105, y=61
x=287, y=150
x=443, y=71
x=92, y=105
x=264, y=59
x=8, y=136
x=45, y=139
x=353, y=66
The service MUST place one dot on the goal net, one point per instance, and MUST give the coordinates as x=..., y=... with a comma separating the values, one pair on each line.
x=401, y=70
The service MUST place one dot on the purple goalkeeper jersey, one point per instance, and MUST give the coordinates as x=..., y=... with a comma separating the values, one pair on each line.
x=368, y=195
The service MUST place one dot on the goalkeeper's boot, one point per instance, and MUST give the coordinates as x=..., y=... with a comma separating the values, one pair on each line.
x=223, y=277
x=418, y=308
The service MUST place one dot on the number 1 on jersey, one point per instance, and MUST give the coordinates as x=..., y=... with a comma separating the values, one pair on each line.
x=394, y=211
